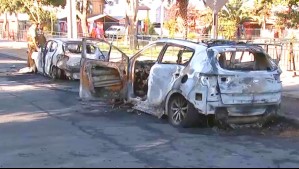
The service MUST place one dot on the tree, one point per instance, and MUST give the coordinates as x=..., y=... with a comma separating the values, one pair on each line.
x=34, y=7
x=177, y=17
x=183, y=15
x=233, y=14
x=37, y=14
x=287, y=18
x=262, y=11
x=8, y=6
x=290, y=17
x=176, y=25
x=131, y=22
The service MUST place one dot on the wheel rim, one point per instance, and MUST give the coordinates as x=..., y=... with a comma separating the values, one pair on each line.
x=179, y=109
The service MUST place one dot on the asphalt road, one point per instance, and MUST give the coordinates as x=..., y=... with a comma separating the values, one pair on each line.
x=43, y=123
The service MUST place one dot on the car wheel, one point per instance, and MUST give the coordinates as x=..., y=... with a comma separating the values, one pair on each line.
x=56, y=73
x=181, y=113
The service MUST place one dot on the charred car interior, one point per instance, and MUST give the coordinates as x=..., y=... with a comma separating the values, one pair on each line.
x=141, y=66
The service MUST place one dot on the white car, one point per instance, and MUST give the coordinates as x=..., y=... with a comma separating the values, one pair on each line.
x=115, y=31
x=61, y=58
x=187, y=81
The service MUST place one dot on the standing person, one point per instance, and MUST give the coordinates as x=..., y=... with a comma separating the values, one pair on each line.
x=41, y=42
x=94, y=31
x=100, y=32
x=32, y=46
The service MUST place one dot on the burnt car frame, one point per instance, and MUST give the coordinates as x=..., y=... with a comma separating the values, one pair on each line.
x=60, y=58
x=188, y=81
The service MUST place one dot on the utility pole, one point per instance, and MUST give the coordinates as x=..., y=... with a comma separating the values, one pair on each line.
x=215, y=24
x=216, y=6
x=72, y=19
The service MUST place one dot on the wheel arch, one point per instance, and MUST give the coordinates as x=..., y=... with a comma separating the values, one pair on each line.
x=171, y=94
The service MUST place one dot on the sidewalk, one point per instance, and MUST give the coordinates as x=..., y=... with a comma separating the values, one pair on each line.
x=14, y=49
x=290, y=85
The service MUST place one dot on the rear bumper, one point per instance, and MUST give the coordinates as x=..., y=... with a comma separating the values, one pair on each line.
x=251, y=99
x=71, y=71
x=223, y=114
x=241, y=109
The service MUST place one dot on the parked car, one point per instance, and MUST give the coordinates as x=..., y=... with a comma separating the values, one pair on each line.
x=61, y=57
x=115, y=31
x=187, y=81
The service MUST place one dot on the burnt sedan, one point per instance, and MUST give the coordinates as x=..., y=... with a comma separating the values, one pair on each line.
x=187, y=81
x=61, y=58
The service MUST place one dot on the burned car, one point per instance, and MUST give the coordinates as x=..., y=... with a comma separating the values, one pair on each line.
x=61, y=58
x=187, y=81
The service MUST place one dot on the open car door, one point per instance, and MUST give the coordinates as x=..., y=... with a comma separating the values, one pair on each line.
x=103, y=79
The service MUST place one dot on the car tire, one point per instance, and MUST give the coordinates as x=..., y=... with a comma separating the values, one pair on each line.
x=182, y=114
x=56, y=73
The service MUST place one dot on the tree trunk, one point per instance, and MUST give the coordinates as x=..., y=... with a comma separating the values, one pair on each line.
x=17, y=27
x=131, y=22
x=183, y=13
x=264, y=23
x=84, y=19
x=5, y=23
x=52, y=24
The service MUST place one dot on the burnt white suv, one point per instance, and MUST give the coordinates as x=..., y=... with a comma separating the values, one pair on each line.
x=187, y=81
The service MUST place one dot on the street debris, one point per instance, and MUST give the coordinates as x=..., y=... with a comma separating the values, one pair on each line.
x=25, y=70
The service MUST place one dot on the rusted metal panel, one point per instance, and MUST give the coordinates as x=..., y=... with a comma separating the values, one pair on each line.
x=105, y=80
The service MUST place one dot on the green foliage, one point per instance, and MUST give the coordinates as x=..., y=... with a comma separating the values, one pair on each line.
x=231, y=16
x=227, y=29
x=55, y=2
x=152, y=30
x=34, y=10
x=171, y=26
x=191, y=35
x=235, y=11
x=289, y=18
x=10, y=6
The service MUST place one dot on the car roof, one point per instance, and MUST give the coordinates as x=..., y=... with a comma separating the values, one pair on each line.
x=183, y=42
x=67, y=40
x=117, y=26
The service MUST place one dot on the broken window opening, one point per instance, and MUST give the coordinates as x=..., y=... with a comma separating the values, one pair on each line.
x=177, y=55
x=145, y=60
x=245, y=61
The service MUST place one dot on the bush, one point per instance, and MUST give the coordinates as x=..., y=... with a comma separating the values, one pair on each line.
x=152, y=30
x=191, y=35
x=171, y=26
